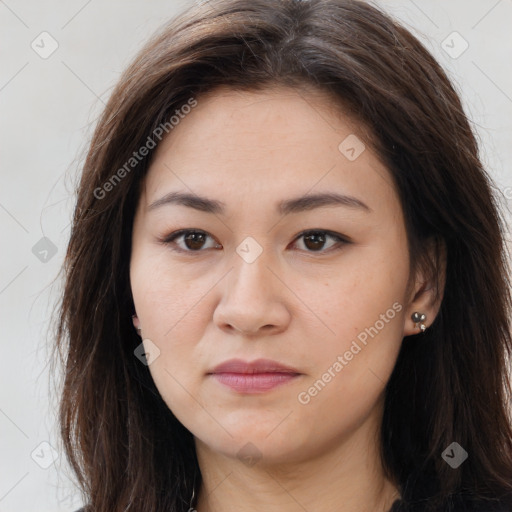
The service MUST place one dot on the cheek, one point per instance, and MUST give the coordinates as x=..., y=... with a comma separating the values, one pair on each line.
x=363, y=308
x=175, y=323
x=166, y=298
x=173, y=315
x=354, y=294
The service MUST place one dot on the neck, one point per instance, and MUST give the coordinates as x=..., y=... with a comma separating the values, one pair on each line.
x=346, y=477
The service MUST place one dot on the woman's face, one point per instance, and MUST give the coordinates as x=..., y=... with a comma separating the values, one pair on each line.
x=299, y=256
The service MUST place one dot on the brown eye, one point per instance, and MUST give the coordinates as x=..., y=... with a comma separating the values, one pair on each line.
x=189, y=240
x=314, y=241
x=321, y=241
x=194, y=240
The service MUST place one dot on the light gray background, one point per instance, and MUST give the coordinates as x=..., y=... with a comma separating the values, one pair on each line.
x=48, y=109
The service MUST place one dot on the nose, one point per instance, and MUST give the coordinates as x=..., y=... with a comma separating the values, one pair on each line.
x=253, y=300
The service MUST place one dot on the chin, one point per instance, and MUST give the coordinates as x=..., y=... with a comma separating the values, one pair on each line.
x=258, y=446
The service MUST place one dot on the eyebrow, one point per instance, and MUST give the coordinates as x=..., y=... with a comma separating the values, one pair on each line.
x=294, y=205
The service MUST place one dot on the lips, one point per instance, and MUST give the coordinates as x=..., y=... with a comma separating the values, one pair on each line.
x=257, y=366
x=253, y=377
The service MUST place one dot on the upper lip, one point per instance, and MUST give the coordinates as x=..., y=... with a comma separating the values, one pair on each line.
x=256, y=366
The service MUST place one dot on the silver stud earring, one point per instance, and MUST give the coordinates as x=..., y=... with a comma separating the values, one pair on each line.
x=419, y=318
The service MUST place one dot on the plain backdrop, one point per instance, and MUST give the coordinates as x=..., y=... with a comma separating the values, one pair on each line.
x=49, y=105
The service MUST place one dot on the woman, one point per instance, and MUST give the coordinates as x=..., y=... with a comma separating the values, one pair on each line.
x=285, y=200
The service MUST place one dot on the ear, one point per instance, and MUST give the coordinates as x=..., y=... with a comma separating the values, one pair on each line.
x=426, y=288
x=136, y=321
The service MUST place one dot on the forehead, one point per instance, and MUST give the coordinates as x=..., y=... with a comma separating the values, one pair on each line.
x=264, y=145
x=230, y=123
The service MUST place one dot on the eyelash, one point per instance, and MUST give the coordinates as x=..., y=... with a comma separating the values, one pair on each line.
x=340, y=240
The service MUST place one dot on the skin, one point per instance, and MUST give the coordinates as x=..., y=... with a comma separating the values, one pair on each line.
x=293, y=304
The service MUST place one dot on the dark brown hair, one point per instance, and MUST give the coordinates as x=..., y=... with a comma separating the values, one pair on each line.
x=449, y=384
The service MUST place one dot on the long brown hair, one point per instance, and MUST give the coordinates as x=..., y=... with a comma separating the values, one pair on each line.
x=450, y=384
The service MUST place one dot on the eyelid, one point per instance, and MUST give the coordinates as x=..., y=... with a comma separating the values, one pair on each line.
x=176, y=234
x=340, y=239
x=328, y=232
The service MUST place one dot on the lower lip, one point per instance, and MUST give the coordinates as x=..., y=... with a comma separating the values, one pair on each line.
x=254, y=382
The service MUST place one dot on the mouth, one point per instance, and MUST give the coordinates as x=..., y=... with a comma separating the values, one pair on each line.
x=253, y=377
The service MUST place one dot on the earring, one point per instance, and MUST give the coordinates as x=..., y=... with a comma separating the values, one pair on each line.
x=192, y=501
x=138, y=329
x=419, y=318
